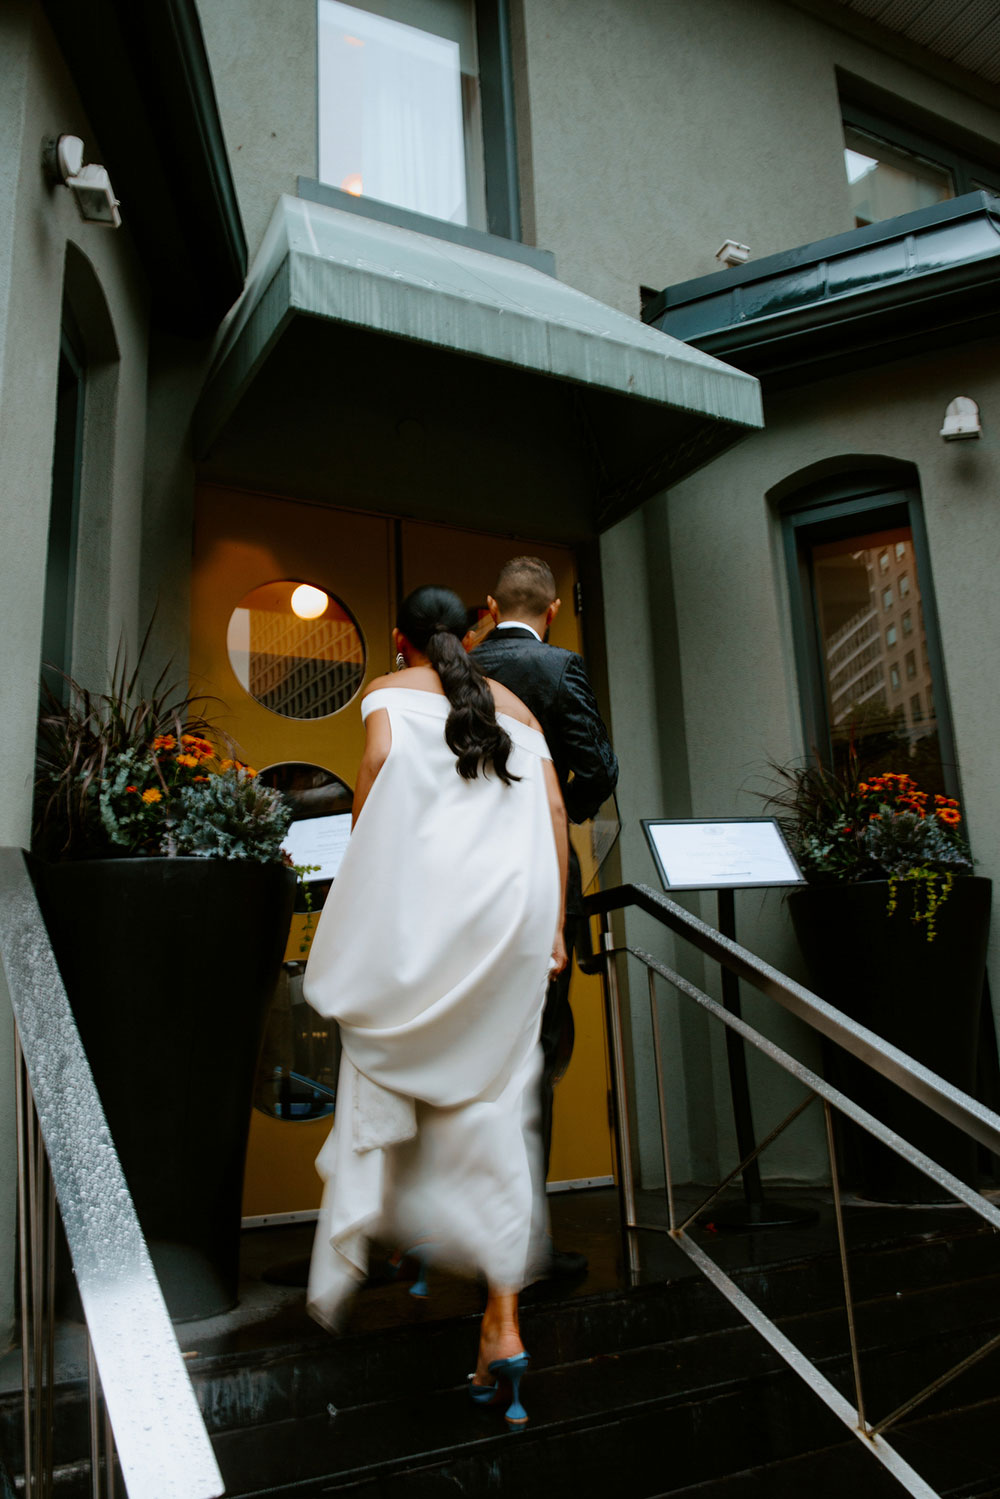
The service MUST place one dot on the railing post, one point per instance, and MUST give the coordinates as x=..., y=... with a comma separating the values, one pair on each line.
x=661, y=1098
x=619, y=1099
x=22, y=1103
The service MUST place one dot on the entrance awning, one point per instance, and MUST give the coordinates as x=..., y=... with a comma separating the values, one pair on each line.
x=372, y=366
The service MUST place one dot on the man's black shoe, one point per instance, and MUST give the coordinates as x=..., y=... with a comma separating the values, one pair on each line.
x=566, y=1264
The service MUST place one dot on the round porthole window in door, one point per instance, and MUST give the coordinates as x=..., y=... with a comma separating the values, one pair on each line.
x=300, y=1054
x=296, y=649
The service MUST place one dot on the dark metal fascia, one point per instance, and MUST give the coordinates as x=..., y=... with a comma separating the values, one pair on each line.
x=959, y=297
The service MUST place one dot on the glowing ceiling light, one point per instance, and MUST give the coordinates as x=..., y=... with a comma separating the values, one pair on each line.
x=309, y=602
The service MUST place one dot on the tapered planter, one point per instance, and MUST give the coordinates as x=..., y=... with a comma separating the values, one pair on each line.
x=169, y=965
x=923, y=997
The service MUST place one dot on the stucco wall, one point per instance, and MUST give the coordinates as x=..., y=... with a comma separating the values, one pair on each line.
x=738, y=683
x=658, y=131
x=653, y=136
x=37, y=100
x=263, y=59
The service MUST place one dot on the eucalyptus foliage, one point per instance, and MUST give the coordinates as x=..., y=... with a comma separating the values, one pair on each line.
x=232, y=816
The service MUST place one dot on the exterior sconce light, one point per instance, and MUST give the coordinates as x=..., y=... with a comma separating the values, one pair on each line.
x=91, y=185
x=961, y=419
x=732, y=253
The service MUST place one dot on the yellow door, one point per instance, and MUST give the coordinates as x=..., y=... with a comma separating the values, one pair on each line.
x=251, y=551
x=469, y=562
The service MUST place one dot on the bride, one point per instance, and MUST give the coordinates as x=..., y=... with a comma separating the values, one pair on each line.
x=434, y=952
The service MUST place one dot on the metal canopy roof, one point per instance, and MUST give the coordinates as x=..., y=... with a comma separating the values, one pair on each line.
x=443, y=370
x=905, y=284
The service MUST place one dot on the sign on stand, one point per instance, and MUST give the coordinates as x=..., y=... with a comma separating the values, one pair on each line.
x=733, y=853
x=726, y=855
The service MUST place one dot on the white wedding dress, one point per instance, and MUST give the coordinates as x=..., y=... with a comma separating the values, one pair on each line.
x=433, y=954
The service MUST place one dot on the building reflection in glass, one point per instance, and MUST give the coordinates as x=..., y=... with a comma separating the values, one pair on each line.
x=298, y=667
x=878, y=680
x=300, y=1054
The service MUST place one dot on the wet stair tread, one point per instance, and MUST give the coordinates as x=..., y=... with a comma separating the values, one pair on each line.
x=910, y=1341
x=946, y=1449
x=362, y=1368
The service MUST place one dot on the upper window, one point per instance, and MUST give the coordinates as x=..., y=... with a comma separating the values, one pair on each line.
x=399, y=110
x=892, y=169
x=886, y=181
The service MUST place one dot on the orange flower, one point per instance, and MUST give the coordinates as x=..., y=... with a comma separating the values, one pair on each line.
x=152, y=795
x=164, y=742
x=229, y=765
x=131, y=788
x=190, y=760
x=875, y=817
x=200, y=778
x=950, y=816
x=197, y=746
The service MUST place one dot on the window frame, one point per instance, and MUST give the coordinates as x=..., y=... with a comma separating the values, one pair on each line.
x=59, y=604
x=962, y=166
x=830, y=513
x=497, y=107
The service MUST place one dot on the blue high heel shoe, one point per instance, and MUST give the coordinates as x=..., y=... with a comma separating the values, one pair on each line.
x=421, y=1253
x=509, y=1372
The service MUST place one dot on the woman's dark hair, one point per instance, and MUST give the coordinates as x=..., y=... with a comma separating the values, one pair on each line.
x=433, y=620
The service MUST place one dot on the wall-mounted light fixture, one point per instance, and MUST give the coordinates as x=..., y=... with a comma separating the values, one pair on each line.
x=961, y=419
x=90, y=185
x=731, y=253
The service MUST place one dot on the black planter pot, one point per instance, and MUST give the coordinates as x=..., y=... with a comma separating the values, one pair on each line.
x=169, y=965
x=923, y=997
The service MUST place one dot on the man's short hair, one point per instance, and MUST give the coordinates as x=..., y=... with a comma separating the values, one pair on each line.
x=525, y=586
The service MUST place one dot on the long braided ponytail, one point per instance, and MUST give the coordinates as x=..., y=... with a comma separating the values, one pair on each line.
x=433, y=620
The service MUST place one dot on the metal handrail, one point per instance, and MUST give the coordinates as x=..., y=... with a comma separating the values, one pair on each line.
x=941, y=1096
x=966, y=1113
x=65, y=1153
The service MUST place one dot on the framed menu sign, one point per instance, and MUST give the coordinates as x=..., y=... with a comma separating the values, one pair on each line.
x=739, y=853
x=319, y=841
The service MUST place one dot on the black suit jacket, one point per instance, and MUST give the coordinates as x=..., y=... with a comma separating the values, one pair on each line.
x=554, y=684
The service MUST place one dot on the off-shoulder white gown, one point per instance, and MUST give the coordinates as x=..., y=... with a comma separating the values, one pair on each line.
x=433, y=954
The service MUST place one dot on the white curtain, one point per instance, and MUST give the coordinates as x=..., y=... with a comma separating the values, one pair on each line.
x=390, y=112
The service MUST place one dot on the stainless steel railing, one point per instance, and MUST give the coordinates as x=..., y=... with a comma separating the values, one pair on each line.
x=142, y=1405
x=949, y=1102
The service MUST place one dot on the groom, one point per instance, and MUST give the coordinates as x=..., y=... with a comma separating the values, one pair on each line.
x=553, y=683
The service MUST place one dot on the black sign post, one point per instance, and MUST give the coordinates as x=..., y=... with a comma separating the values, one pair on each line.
x=726, y=855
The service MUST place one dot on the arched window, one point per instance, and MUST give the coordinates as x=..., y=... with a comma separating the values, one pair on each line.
x=868, y=650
